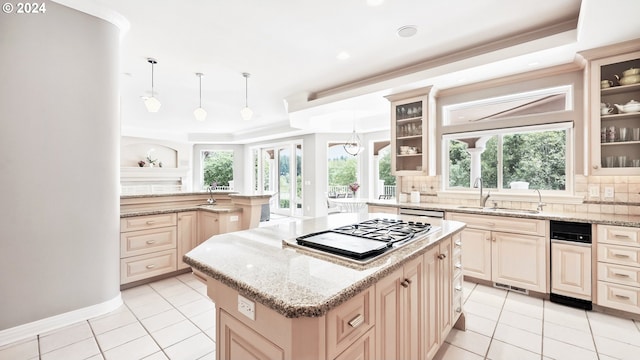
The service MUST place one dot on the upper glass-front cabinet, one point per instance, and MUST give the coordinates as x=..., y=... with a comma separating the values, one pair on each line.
x=409, y=132
x=614, y=106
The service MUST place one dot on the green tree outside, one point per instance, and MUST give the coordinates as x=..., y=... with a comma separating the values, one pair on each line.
x=384, y=166
x=217, y=167
x=342, y=171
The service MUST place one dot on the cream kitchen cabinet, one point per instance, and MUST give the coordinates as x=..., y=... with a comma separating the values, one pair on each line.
x=604, y=64
x=187, y=235
x=400, y=314
x=383, y=209
x=412, y=153
x=518, y=250
x=147, y=246
x=208, y=225
x=618, y=271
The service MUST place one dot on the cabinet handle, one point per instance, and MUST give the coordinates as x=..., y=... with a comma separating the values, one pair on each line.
x=621, y=236
x=151, y=222
x=596, y=166
x=458, y=243
x=458, y=266
x=151, y=242
x=622, y=297
x=356, y=321
x=151, y=266
x=625, y=256
x=442, y=256
x=621, y=275
x=458, y=288
x=405, y=283
x=458, y=309
x=491, y=224
x=494, y=239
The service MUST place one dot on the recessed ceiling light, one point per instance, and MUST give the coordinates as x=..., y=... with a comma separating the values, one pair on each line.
x=374, y=2
x=343, y=55
x=407, y=31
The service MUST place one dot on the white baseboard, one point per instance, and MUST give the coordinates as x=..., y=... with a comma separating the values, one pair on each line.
x=32, y=329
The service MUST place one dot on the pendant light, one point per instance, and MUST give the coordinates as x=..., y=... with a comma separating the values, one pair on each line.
x=200, y=113
x=246, y=113
x=353, y=146
x=152, y=104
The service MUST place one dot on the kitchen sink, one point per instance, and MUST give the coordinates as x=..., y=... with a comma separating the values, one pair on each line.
x=499, y=209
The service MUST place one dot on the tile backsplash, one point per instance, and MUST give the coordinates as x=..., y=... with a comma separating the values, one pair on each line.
x=600, y=194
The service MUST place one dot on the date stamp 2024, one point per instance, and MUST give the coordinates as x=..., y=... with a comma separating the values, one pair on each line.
x=24, y=8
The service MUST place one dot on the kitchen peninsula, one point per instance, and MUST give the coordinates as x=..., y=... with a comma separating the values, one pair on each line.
x=156, y=230
x=274, y=300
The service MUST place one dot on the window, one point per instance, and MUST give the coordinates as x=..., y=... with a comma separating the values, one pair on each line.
x=513, y=141
x=217, y=169
x=535, y=157
x=342, y=169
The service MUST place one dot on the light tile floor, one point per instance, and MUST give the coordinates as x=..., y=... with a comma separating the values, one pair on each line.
x=174, y=319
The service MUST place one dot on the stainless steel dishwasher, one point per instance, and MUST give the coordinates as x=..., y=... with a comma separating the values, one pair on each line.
x=571, y=263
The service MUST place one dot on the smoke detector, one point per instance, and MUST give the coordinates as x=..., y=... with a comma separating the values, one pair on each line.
x=407, y=31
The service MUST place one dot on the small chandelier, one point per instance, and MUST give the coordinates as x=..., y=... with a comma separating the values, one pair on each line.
x=353, y=146
x=152, y=104
x=200, y=113
x=246, y=113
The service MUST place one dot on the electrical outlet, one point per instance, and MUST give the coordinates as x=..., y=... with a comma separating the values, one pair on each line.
x=234, y=218
x=594, y=191
x=608, y=191
x=247, y=307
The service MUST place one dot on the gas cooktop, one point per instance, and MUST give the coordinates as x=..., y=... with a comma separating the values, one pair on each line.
x=364, y=240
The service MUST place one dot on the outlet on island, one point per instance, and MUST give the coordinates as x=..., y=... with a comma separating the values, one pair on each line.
x=247, y=307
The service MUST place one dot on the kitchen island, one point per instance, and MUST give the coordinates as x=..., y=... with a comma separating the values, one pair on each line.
x=278, y=301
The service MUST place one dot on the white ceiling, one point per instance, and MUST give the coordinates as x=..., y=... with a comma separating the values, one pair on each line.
x=290, y=49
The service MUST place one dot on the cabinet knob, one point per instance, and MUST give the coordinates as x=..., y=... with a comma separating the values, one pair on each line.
x=150, y=222
x=442, y=256
x=494, y=239
x=405, y=283
x=458, y=243
x=596, y=166
x=458, y=309
x=458, y=288
x=151, y=266
x=151, y=242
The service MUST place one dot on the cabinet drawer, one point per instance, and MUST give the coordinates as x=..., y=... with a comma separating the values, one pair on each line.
x=147, y=222
x=619, y=274
x=348, y=321
x=383, y=209
x=146, y=241
x=616, y=254
x=144, y=266
x=619, y=297
x=619, y=235
x=503, y=224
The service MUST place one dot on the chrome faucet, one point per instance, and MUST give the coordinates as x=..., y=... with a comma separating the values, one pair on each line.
x=211, y=200
x=483, y=199
x=540, y=203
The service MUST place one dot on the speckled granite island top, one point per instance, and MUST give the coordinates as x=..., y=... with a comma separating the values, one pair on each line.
x=294, y=282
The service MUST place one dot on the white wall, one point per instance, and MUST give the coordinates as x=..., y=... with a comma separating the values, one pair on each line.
x=59, y=139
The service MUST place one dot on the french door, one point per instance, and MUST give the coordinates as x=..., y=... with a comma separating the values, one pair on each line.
x=279, y=170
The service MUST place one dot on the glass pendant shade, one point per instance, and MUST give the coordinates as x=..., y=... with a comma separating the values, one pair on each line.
x=246, y=113
x=353, y=146
x=152, y=104
x=200, y=114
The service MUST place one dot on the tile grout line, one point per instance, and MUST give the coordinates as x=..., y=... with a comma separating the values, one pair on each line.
x=486, y=355
x=95, y=338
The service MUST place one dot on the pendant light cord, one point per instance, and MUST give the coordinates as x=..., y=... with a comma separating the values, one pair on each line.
x=200, y=77
x=152, y=78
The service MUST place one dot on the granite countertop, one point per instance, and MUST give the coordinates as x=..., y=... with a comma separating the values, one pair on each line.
x=295, y=282
x=174, y=209
x=592, y=218
x=204, y=192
